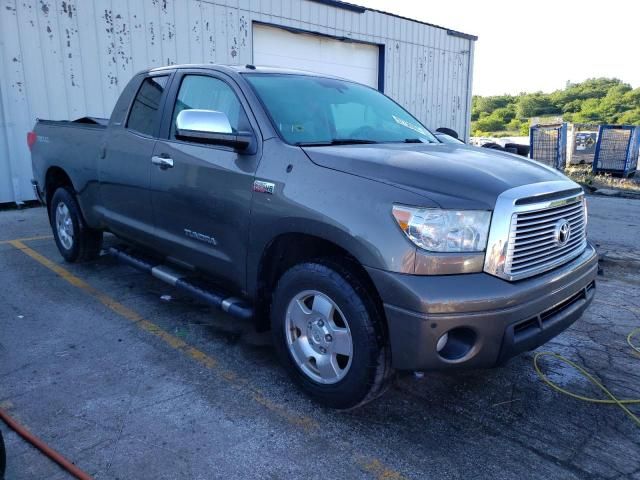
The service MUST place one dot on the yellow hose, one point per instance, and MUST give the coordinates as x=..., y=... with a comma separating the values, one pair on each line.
x=613, y=400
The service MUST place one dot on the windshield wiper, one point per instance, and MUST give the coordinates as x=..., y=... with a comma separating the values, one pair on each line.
x=413, y=140
x=337, y=141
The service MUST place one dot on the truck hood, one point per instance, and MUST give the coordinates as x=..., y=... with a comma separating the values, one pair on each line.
x=453, y=176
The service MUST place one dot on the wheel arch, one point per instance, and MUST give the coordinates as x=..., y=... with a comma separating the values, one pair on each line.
x=55, y=178
x=292, y=248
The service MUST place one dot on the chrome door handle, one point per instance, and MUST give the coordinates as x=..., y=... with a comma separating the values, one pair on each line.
x=162, y=162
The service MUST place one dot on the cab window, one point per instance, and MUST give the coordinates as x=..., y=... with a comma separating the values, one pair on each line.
x=144, y=117
x=209, y=93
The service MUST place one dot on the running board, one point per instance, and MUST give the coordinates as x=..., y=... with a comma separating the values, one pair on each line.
x=183, y=282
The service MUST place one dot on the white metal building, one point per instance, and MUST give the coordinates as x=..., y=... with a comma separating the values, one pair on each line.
x=64, y=59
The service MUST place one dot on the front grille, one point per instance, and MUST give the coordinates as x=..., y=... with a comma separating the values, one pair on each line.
x=535, y=244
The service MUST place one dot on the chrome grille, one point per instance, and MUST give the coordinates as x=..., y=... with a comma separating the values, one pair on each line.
x=535, y=242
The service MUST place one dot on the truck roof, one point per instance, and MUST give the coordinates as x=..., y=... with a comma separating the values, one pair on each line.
x=241, y=69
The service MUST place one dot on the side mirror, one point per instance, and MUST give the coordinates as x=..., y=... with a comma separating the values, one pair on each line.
x=210, y=126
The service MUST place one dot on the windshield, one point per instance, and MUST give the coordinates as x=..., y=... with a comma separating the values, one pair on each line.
x=322, y=111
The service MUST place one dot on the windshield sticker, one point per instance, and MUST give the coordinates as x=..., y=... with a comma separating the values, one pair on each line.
x=404, y=123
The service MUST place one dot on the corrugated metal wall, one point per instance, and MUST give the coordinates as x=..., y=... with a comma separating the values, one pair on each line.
x=63, y=59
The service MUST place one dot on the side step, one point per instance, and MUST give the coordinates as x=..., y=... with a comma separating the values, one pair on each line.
x=195, y=287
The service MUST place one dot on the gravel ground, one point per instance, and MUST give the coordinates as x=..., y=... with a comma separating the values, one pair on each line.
x=130, y=386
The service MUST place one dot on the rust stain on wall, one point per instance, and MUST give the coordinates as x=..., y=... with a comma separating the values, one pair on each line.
x=68, y=9
x=244, y=30
x=152, y=33
x=162, y=3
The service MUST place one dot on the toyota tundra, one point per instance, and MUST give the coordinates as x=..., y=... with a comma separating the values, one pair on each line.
x=327, y=213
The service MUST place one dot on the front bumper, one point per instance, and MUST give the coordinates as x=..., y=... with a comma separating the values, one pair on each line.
x=506, y=318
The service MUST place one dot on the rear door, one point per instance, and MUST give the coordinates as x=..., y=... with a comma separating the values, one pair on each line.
x=202, y=202
x=125, y=163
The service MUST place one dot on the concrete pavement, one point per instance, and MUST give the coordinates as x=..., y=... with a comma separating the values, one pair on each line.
x=130, y=386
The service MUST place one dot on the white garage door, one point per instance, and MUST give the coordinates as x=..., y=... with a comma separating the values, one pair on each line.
x=276, y=47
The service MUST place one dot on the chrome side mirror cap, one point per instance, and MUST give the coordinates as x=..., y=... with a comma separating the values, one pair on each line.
x=213, y=127
x=205, y=121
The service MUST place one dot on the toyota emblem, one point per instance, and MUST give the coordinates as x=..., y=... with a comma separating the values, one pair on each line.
x=562, y=232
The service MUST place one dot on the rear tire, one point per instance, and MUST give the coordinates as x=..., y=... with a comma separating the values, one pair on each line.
x=448, y=131
x=522, y=150
x=329, y=335
x=75, y=240
x=493, y=146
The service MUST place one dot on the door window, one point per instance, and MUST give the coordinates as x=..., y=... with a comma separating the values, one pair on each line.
x=208, y=93
x=144, y=111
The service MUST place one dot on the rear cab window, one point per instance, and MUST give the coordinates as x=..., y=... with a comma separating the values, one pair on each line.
x=144, y=115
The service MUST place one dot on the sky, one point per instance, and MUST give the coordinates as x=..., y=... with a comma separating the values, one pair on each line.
x=536, y=46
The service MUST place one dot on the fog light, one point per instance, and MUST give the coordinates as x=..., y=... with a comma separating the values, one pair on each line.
x=442, y=341
x=456, y=343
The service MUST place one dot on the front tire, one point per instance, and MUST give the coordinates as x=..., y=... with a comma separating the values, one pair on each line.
x=329, y=334
x=75, y=240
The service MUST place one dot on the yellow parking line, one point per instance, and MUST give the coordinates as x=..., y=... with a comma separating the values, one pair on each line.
x=371, y=465
x=28, y=239
x=378, y=469
x=150, y=327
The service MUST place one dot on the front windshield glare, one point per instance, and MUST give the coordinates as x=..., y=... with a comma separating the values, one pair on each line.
x=315, y=110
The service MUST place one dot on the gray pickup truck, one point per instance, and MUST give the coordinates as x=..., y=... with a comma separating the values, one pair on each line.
x=326, y=212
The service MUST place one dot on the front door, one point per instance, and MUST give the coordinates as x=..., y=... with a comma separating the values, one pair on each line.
x=202, y=193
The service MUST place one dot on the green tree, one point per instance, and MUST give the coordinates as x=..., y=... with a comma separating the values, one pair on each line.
x=504, y=114
x=590, y=88
x=535, y=105
x=514, y=125
x=490, y=124
x=596, y=100
x=589, y=112
x=487, y=105
x=630, y=117
x=572, y=106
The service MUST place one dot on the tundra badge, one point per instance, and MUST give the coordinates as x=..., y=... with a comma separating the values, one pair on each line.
x=200, y=236
x=263, y=187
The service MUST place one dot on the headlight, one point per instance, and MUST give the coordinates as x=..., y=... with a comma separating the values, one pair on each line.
x=439, y=230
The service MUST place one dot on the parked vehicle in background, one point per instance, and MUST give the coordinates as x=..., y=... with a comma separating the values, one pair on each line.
x=326, y=212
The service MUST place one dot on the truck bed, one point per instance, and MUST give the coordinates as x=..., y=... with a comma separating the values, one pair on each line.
x=97, y=122
x=73, y=146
